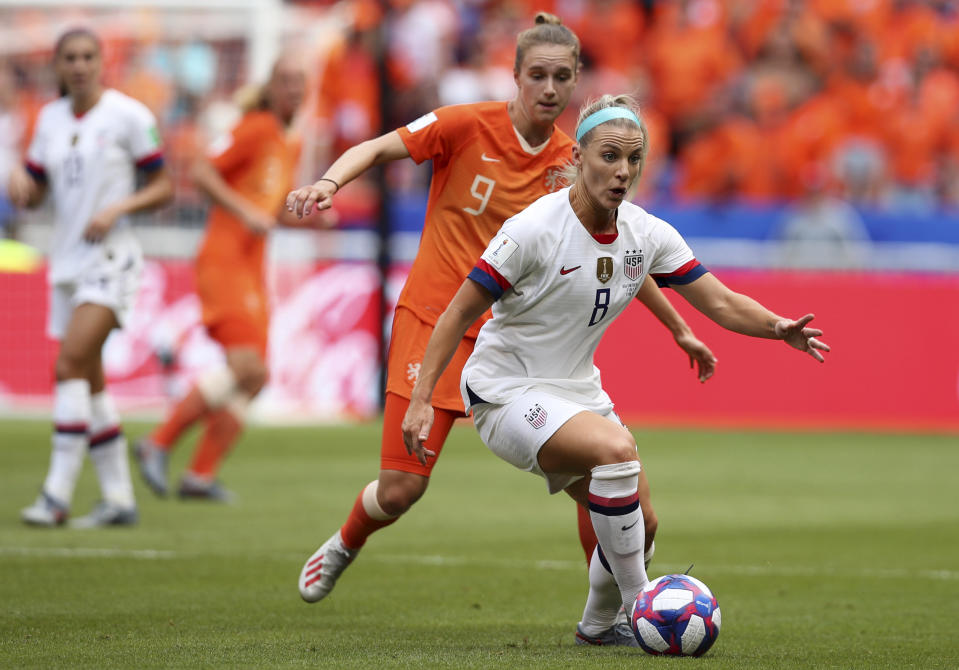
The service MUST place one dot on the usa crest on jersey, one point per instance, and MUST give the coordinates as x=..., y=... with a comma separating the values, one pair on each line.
x=633, y=266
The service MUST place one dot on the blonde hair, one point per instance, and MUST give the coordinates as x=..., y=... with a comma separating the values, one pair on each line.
x=571, y=173
x=256, y=97
x=549, y=29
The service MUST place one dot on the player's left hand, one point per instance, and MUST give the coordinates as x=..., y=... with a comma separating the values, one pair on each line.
x=100, y=225
x=797, y=335
x=416, y=430
x=699, y=355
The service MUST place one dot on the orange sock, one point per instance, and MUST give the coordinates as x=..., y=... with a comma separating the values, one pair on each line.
x=222, y=429
x=587, y=536
x=185, y=413
x=360, y=525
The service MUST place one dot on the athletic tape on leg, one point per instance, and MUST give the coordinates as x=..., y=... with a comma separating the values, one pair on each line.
x=370, y=504
x=216, y=386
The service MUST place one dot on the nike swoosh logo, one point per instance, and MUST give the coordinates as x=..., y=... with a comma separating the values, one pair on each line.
x=564, y=271
x=631, y=525
x=488, y=159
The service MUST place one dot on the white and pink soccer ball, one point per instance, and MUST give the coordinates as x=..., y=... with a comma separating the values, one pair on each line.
x=676, y=615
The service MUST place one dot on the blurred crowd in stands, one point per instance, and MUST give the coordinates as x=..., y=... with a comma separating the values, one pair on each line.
x=750, y=100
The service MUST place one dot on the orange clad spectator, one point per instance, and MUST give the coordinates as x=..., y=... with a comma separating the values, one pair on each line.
x=151, y=88
x=911, y=144
x=939, y=100
x=349, y=91
x=732, y=159
x=810, y=136
x=690, y=62
x=751, y=23
x=856, y=90
x=612, y=35
x=912, y=28
x=870, y=18
x=949, y=41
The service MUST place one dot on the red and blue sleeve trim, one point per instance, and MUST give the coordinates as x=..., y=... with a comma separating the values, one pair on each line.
x=684, y=274
x=151, y=163
x=486, y=276
x=36, y=171
x=613, y=506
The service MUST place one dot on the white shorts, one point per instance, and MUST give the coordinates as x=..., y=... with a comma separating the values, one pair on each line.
x=517, y=430
x=113, y=283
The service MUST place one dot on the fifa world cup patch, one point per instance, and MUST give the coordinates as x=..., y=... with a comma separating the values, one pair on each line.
x=604, y=269
x=536, y=416
x=500, y=250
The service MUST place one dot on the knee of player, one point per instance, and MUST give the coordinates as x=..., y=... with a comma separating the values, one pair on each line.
x=398, y=496
x=619, y=449
x=69, y=366
x=253, y=377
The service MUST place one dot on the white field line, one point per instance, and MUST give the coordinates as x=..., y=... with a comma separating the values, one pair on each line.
x=514, y=564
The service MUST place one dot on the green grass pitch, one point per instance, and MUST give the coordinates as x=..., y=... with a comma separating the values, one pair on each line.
x=824, y=550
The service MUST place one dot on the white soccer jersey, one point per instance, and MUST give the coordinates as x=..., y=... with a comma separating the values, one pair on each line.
x=89, y=162
x=559, y=288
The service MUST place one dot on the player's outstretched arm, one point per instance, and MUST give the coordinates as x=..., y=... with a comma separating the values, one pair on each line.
x=699, y=354
x=354, y=162
x=741, y=314
x=469, y=304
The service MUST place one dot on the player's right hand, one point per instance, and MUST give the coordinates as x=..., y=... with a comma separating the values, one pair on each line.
x=699, y=355
x=20, y=187
x=416, y=430
x=302, y=200
x=258, y=221
x=797, y=335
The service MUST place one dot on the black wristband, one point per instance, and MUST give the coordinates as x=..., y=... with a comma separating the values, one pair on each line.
x=331, y=181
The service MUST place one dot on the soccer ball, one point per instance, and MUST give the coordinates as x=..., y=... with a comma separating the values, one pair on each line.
x=676, y=615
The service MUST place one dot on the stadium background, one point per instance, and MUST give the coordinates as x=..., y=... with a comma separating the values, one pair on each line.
x=809, y=151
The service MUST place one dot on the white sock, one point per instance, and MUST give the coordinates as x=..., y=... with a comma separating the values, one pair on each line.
x=618, y=521
x=604, y=599
x=108, y=451
x=71, y=420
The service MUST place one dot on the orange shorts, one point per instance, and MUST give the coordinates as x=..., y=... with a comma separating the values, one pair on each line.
x=235, y=307
x=393, y=454
x=407, y=346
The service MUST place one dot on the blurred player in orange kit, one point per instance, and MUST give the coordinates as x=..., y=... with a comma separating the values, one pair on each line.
x=247, y=175
x=490, y=160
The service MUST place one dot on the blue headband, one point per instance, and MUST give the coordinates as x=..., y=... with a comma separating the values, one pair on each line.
x=602, y=116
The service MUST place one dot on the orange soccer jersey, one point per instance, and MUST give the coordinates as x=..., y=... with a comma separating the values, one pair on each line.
x=482, y=175
x=258, y=161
